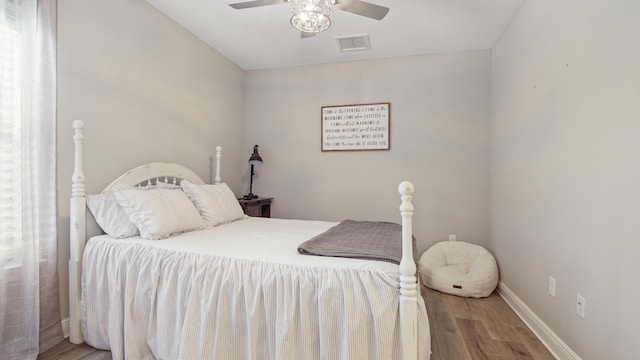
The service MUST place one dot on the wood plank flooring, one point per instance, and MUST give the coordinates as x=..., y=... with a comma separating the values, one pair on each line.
x=461, y=329
x=478, y=329
x=67, y=351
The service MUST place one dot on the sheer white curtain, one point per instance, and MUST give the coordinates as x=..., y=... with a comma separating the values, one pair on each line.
x=29, y=305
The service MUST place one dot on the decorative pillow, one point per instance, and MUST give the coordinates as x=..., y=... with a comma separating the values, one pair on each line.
x=216, y=203
x=159, y=213
x=110, y=216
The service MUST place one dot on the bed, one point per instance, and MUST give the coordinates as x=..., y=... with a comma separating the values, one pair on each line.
x=236, y=290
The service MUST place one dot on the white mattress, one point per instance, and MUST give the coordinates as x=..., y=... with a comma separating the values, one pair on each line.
x=240, y=291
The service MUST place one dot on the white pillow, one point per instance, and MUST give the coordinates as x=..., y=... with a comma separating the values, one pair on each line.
x=159, y=213
x=110, y=216
x=217, y=203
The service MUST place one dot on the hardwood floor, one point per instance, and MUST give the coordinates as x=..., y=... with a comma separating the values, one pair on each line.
x=477, y=329
x=461, y=329
x=67, y=351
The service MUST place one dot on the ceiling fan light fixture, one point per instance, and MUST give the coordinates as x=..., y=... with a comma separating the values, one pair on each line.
x=311, y=16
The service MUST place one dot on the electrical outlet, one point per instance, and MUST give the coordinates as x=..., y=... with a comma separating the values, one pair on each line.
x=452, y=238
x=580, y=303
x=552, y=286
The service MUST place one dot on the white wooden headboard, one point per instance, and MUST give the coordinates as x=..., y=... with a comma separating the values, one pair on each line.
x=150, y=174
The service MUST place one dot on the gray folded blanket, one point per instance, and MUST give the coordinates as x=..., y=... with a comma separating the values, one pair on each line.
x=372, y=240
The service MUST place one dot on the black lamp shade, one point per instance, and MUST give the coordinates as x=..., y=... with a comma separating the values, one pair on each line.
x=255, y=157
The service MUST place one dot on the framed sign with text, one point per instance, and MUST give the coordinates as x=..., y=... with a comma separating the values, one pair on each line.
x=356, y=127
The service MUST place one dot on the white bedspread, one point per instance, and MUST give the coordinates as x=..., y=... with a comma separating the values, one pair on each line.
x=240, y=291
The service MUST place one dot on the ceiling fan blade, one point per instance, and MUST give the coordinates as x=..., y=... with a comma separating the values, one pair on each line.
x=256, y=3
x=305, y=35
x=364, y=8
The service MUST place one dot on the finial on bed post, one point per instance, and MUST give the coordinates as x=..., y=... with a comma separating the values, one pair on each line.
x=77, y=234
x=218, y=178
x=408, y=281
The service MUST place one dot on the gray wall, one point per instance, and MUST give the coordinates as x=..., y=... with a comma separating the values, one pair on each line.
x=565, y=168
x=439, y=141
x=148, y=91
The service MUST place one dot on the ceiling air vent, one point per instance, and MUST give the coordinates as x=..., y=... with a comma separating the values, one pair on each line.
x=353, y=42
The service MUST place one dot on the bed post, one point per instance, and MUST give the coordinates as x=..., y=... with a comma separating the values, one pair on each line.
x=78, y=235
x=218, y=178
x=408, y=281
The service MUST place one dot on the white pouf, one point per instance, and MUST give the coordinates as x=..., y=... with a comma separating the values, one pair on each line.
x=459, y=268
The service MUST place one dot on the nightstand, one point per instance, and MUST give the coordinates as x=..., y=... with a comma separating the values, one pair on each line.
x=258, y=207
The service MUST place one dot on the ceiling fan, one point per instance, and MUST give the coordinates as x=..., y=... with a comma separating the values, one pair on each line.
x=314, y=16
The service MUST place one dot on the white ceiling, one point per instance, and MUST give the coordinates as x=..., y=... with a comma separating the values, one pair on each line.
x=262, y=37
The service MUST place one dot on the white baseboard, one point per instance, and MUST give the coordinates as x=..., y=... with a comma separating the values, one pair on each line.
x=65, y=327
x=556, y=346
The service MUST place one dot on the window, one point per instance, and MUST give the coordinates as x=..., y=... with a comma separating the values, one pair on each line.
x=28, y=234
